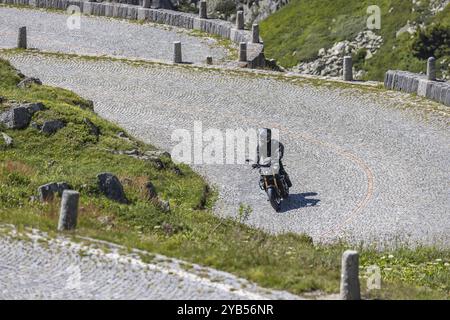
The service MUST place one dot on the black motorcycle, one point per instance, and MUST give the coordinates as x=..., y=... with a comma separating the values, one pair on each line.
x=273, y=183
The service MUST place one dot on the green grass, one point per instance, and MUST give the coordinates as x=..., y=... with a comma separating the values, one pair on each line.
x=296, y=32
x=289, y=262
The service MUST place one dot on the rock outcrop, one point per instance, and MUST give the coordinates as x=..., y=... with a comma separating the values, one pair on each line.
x=52, y=126
x=330, y=62
x=15, y=118
x=32, y=108
x=7, y=139
x=150, y=191
x=47, y=192
x=254, y=10
x=19, y=115
x=28, y=81
x=111, y=187
x=153, y=157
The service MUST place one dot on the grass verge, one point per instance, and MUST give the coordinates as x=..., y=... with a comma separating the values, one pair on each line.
x=190, y=231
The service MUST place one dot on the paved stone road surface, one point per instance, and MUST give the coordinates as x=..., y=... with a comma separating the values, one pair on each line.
x=48, y=31
x=46, y=268
x=362, y=169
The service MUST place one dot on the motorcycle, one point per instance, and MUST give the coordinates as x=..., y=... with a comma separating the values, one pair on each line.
x=273, y=183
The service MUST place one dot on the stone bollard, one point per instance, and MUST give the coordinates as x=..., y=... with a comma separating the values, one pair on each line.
x=202, y=10
x=209, y=60
x=146, y=3
x=22, y=38
x=255, y=33
x=431, y=69
x=177, y=57
x=348, y=69
x=243, y=51
x=69, y=210
x=240, y=20
x=349, y=276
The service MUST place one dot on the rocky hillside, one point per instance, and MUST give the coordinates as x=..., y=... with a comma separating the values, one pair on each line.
x=312, y=36
x=254, y=10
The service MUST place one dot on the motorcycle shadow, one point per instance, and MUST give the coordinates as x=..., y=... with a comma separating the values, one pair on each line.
x=299, y=200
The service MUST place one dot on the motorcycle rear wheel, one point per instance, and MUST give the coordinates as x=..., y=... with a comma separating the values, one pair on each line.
x=286, y=193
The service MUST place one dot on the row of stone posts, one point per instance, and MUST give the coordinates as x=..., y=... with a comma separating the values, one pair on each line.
x=146, y=3
x=240, y=20
x=239, y=26
x=243, y=51
x=350, y=288
x=68, y=214
x=348, y=69
x=431, y=69
x=202, y=10
x=22, y=38
x=349, y=285
x=177, y=55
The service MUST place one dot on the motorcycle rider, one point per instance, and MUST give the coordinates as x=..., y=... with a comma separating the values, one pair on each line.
x=264, y=150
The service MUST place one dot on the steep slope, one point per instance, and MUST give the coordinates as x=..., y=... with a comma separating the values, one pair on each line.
x=297, y=33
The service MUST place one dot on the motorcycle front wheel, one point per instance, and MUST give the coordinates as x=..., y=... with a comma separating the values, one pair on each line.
x=274, y=198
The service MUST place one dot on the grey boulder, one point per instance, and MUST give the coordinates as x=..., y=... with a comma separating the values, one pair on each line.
x=28, y=81
x=32, y=108
x=177, y=171
x=52, y=126
x=35, y=125
x=111, y=187
x=8, y=140
x=151, y=191
x=164, y=205
x=16, y=118
x=47, y=191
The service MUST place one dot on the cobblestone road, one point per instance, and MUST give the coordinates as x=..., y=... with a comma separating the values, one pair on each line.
x=48, y=31
x=33, y=266
x=362, y=169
